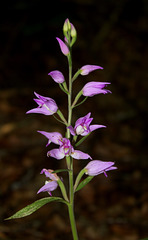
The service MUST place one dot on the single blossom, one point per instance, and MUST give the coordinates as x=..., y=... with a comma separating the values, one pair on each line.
x=92, y=88
x=85, y=70
x=46, y=105
x=65, y=147
x=63, y=46
x=97, y=167
x=51, y=184
x=82, y=126
x=57, y=76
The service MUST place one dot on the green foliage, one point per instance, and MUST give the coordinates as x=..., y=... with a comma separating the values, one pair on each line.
x=34, y=207
x=84, y=182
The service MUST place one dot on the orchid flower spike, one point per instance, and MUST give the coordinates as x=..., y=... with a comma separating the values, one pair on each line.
x=93, y=88
x=85, y=70
x=46, y=105
x=51, y=184
x=97, y=167
x=57, y=76
x=82, y=126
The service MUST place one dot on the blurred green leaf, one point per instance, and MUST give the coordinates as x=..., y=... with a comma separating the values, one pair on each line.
x=84, y=182
x=34, y=207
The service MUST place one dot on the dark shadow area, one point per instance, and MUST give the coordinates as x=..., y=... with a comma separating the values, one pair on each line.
x=112, y=34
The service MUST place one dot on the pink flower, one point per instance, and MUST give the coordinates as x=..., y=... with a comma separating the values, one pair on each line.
x=50, y=185
x=85, y=70
x=92, y=88
x=65, y=147
x=82, y=126
x=97, y=167
x=46, y=105
x=63, y=46
x=57, y=76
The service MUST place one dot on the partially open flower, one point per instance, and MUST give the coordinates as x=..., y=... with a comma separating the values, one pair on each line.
x=85, y=70
x=51, y=184
x=63, y=46
x=97, y=167
x=93, y=88
x=82, y=126
x=57, y=76
x=46, y=105
x=66, y=149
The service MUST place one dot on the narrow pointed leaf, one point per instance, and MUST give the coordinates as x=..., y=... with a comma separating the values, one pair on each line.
x=63, y=89
x=84, y=182
x=81, y=140
x=26, y=211
x=80, y=103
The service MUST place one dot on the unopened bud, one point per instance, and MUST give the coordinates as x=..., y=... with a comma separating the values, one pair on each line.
x=73, y=31
x=66, y=27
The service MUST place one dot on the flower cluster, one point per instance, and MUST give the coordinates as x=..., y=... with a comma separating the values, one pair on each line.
x=82, y=128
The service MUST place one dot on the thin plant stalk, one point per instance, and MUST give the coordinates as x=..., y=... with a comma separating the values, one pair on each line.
x=70, y=163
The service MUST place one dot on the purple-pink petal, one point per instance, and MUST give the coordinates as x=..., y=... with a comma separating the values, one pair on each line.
x=96, y=126
x=54, y=137
x=85, y=70
x=48, y=187
x=46, y=105
x=48, y=173
x=64, y=48
x=80, y=155
x=71, y=129
x=57, y=76
x=92, y=88
x=56, y=153
x=97, y=167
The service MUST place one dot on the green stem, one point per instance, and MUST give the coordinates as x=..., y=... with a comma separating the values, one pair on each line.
x=71, y=205
x=69, y=159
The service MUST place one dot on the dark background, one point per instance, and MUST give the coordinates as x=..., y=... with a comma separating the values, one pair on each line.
x=112, y=34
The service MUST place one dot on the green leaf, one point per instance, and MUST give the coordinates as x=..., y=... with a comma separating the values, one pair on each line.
x=84, y=182
x=34, y=207
x=82, y=140
x=144, y=238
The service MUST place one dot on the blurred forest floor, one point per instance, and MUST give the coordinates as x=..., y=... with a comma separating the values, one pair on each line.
x=111, y=35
